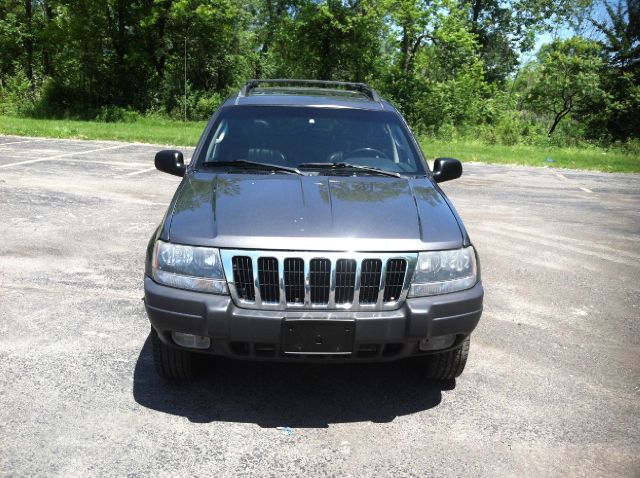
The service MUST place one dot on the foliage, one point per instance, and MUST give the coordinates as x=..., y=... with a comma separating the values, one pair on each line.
x=451, y=66
x=622, y=33
x=16, y=95
x=327, y=40
x=620, y=118
x=116, y=114
x=504, y=28
x=567, y=78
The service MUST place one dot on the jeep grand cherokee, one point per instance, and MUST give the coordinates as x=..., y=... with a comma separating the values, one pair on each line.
x=308, y=227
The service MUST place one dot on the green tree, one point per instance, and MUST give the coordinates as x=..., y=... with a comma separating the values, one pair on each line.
x=333, y=39
x=566, y=78
x=447, y=64
x=507, y=28
x=217, y=52
x=435, y=74
x=621, y=34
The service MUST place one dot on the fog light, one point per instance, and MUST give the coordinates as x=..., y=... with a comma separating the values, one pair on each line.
x=437, y=343
x=191, y=341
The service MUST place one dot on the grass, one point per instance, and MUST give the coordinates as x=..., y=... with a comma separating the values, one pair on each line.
x=592, y=158
x=144, y=130
x=164, y=131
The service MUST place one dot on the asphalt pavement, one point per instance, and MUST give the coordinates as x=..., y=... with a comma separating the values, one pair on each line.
x=552, y=387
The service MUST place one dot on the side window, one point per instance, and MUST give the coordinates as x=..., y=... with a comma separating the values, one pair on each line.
x=404, y=150
x=213, y=152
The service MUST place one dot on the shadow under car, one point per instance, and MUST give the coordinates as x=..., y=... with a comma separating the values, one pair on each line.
x=282, y=394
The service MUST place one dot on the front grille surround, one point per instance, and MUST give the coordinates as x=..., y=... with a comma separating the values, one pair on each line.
x=344, y=287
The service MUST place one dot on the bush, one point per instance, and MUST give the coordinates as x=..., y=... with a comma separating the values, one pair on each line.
x=631, y=146
x=485, y=133
x=447, y=132
x=206, y=105
x=59, y=99
x=568, y=133
x=116, y=114
x=508, y=129
x=17, y=97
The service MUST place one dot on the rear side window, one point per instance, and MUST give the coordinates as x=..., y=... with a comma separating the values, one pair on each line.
x=289, y=136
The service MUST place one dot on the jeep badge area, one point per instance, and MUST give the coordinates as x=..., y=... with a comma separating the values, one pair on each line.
x=308, y=227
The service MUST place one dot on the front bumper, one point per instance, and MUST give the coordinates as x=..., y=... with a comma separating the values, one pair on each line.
x=256, y=334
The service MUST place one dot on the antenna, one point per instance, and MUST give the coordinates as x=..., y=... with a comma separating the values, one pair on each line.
x=185, y=78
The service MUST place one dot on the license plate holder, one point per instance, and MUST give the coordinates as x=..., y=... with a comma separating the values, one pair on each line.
x=322, y=337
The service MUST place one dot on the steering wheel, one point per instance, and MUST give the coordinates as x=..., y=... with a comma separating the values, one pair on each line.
x=377, y=152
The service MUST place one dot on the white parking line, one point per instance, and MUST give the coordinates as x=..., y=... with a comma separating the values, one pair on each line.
x=58, y=156
x=110, y=163
x=140, y=172
x=20, y=142
x=564, y=178
x=557, y=245
x=147, y=170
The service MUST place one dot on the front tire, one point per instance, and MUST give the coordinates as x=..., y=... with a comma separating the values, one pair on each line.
x=171, y=363
x=450, y=364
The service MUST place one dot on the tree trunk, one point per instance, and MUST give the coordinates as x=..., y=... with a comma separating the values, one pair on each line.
x=47, y=55
x=556, y=120
x=476, y=8
x=566, y=109
x=404, y=51
x=28, y=42
x=326, y=64
x=121, y=42
x=159, y=50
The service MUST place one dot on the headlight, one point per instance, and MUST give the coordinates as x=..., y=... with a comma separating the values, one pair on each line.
x=188, y=267
x=441, y=272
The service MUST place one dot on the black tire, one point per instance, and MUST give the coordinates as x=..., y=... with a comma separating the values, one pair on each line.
x=448, y=365
x=171, y=363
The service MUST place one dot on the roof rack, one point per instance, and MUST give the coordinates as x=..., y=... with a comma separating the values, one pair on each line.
x=361, y=87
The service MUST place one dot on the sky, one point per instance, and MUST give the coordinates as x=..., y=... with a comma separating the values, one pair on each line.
x=598, y=13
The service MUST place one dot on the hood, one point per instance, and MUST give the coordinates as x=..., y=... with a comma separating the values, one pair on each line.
x=323, y=213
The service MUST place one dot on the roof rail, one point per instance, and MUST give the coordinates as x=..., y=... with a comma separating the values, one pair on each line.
x=361, y=87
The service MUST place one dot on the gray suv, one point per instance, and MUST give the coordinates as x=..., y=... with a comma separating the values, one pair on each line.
x=308, y=227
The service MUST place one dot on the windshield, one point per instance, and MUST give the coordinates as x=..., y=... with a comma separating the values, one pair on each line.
x=299, y=136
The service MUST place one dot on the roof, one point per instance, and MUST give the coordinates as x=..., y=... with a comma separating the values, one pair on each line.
x=328, y=94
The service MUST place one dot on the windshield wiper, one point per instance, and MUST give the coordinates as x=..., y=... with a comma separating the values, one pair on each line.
x=244, y=164
x=349, y=166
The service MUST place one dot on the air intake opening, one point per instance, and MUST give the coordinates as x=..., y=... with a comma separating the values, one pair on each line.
x=394, y=279
x=345, y=280
x=370, y=281
x=319, y=280
x=243, y=277
x=294, y=280
x=268, y=279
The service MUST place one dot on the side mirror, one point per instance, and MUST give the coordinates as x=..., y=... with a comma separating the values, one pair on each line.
x=170, y=161
x=446, y=169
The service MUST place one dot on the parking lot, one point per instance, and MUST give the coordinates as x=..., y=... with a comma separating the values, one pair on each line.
x=552, y=387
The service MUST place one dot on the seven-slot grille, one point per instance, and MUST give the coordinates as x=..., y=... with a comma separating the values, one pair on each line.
x=281, y=280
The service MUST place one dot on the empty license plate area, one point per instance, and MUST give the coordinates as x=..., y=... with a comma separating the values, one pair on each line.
x=304, y=336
